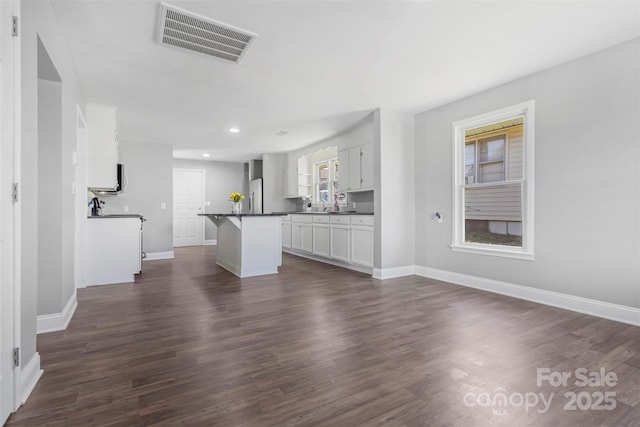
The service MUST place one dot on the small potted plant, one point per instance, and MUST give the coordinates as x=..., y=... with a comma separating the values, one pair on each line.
x=236, y=205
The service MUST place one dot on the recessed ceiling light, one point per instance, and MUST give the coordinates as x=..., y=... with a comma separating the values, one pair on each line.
x=206, y=155
x=234, y=130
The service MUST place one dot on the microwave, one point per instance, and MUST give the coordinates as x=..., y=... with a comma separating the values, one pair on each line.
x=120, y=184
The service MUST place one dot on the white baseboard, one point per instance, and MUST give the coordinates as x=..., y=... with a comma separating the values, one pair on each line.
x=159, y=255
x=391, y=273
x=29, y=376
x=231, y=268
x=211, y=242
x=361, y=269
x=57, y=321
x=619, y=313
x=112, y=279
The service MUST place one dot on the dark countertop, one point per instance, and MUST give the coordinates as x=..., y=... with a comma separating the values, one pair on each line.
x=243, y=214
x=116, y=216
x=327, y=213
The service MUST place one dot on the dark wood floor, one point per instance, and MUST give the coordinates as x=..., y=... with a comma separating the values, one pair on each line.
x=190, y=344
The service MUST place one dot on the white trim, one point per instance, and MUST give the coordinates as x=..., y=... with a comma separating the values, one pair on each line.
x=619, y=313
x=458, y=129
x=358, y=268
x=152, y=256
x=30, y=375
x=112, y=279
x=211, y=242
x=393, y=272
x=57, y=321
x=11, y=65
x=495, y=250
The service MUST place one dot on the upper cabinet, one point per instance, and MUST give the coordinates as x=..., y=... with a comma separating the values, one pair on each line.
x=299, y=180
x=356, y=168
x=102, y=147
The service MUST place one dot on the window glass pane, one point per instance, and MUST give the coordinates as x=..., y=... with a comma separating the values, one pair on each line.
x=323, y=171
x=492, y=150
x=470, y=163
x=491, y=172
x=493, y=215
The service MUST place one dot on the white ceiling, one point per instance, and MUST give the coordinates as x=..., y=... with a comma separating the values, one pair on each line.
x=318, y=67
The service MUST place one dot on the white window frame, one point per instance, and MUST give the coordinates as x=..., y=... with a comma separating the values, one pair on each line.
x=459, y=129
x=331, y=182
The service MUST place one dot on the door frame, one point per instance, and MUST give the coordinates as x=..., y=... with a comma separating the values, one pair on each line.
x=10, y=157
x=202, y=197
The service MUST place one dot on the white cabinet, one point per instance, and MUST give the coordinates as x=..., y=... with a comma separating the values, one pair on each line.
x=366, y=166
x=114, y=255
x=298, y=178
x=356, y=168
x=102, y=147
x=286, y=232
x=302, y=233
x=361, y=239
x=347, y=239
x=339, y=238
x=321, y=235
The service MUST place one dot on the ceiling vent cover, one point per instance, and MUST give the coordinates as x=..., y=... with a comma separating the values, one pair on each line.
x=187, y=30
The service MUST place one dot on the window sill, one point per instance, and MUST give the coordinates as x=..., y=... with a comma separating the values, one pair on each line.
x=494, y=250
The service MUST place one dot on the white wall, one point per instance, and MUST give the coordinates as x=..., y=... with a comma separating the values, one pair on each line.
x=149, y=184
x=394, y=190
x=273, y=184
x=38, y=20
x=49, y=193
x=587, y=179
x=220, y=180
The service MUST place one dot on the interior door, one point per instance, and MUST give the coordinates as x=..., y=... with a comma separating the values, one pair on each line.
x=188, y=199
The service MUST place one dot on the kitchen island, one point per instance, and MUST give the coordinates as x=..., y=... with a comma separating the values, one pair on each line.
x=248, y=244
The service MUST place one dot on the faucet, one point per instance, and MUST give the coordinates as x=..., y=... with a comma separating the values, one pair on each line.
x=95, y=204
x=324, y=208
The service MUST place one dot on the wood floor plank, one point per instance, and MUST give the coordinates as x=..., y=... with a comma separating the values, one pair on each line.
x=190, y=344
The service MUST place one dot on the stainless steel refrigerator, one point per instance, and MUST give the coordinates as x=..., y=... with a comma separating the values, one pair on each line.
x=255, y=196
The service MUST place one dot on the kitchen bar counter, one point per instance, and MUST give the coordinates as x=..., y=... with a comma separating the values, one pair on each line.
x=326, y=213
x=248, y=244
x=114, y=216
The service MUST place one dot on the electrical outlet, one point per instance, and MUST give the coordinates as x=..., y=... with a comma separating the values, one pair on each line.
x=354, y=205
x=438, y=217
x=126, y=208
x=207, y=203
x=163, y=205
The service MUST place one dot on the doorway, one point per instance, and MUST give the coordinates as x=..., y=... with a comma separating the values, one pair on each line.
x=188, y=199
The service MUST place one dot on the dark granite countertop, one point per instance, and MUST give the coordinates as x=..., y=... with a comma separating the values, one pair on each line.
x=116, y=216
x=243, y=214
x=327, y=213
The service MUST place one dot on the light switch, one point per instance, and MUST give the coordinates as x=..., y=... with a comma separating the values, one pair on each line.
x=163, y=205
x=438, y=217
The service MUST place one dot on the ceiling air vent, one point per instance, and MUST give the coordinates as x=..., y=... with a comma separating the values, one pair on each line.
x=187, y=30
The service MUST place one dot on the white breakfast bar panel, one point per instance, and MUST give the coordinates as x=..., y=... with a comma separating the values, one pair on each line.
x=248, y=244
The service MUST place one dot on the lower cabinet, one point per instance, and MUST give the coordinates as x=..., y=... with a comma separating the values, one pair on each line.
x=344, y=238
x=301, y=233
x=340, y=243
x=286, y=233
x=321, y=235
x=362, y=245
x=321, y=240
x=118, y=253
x=362, y=240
